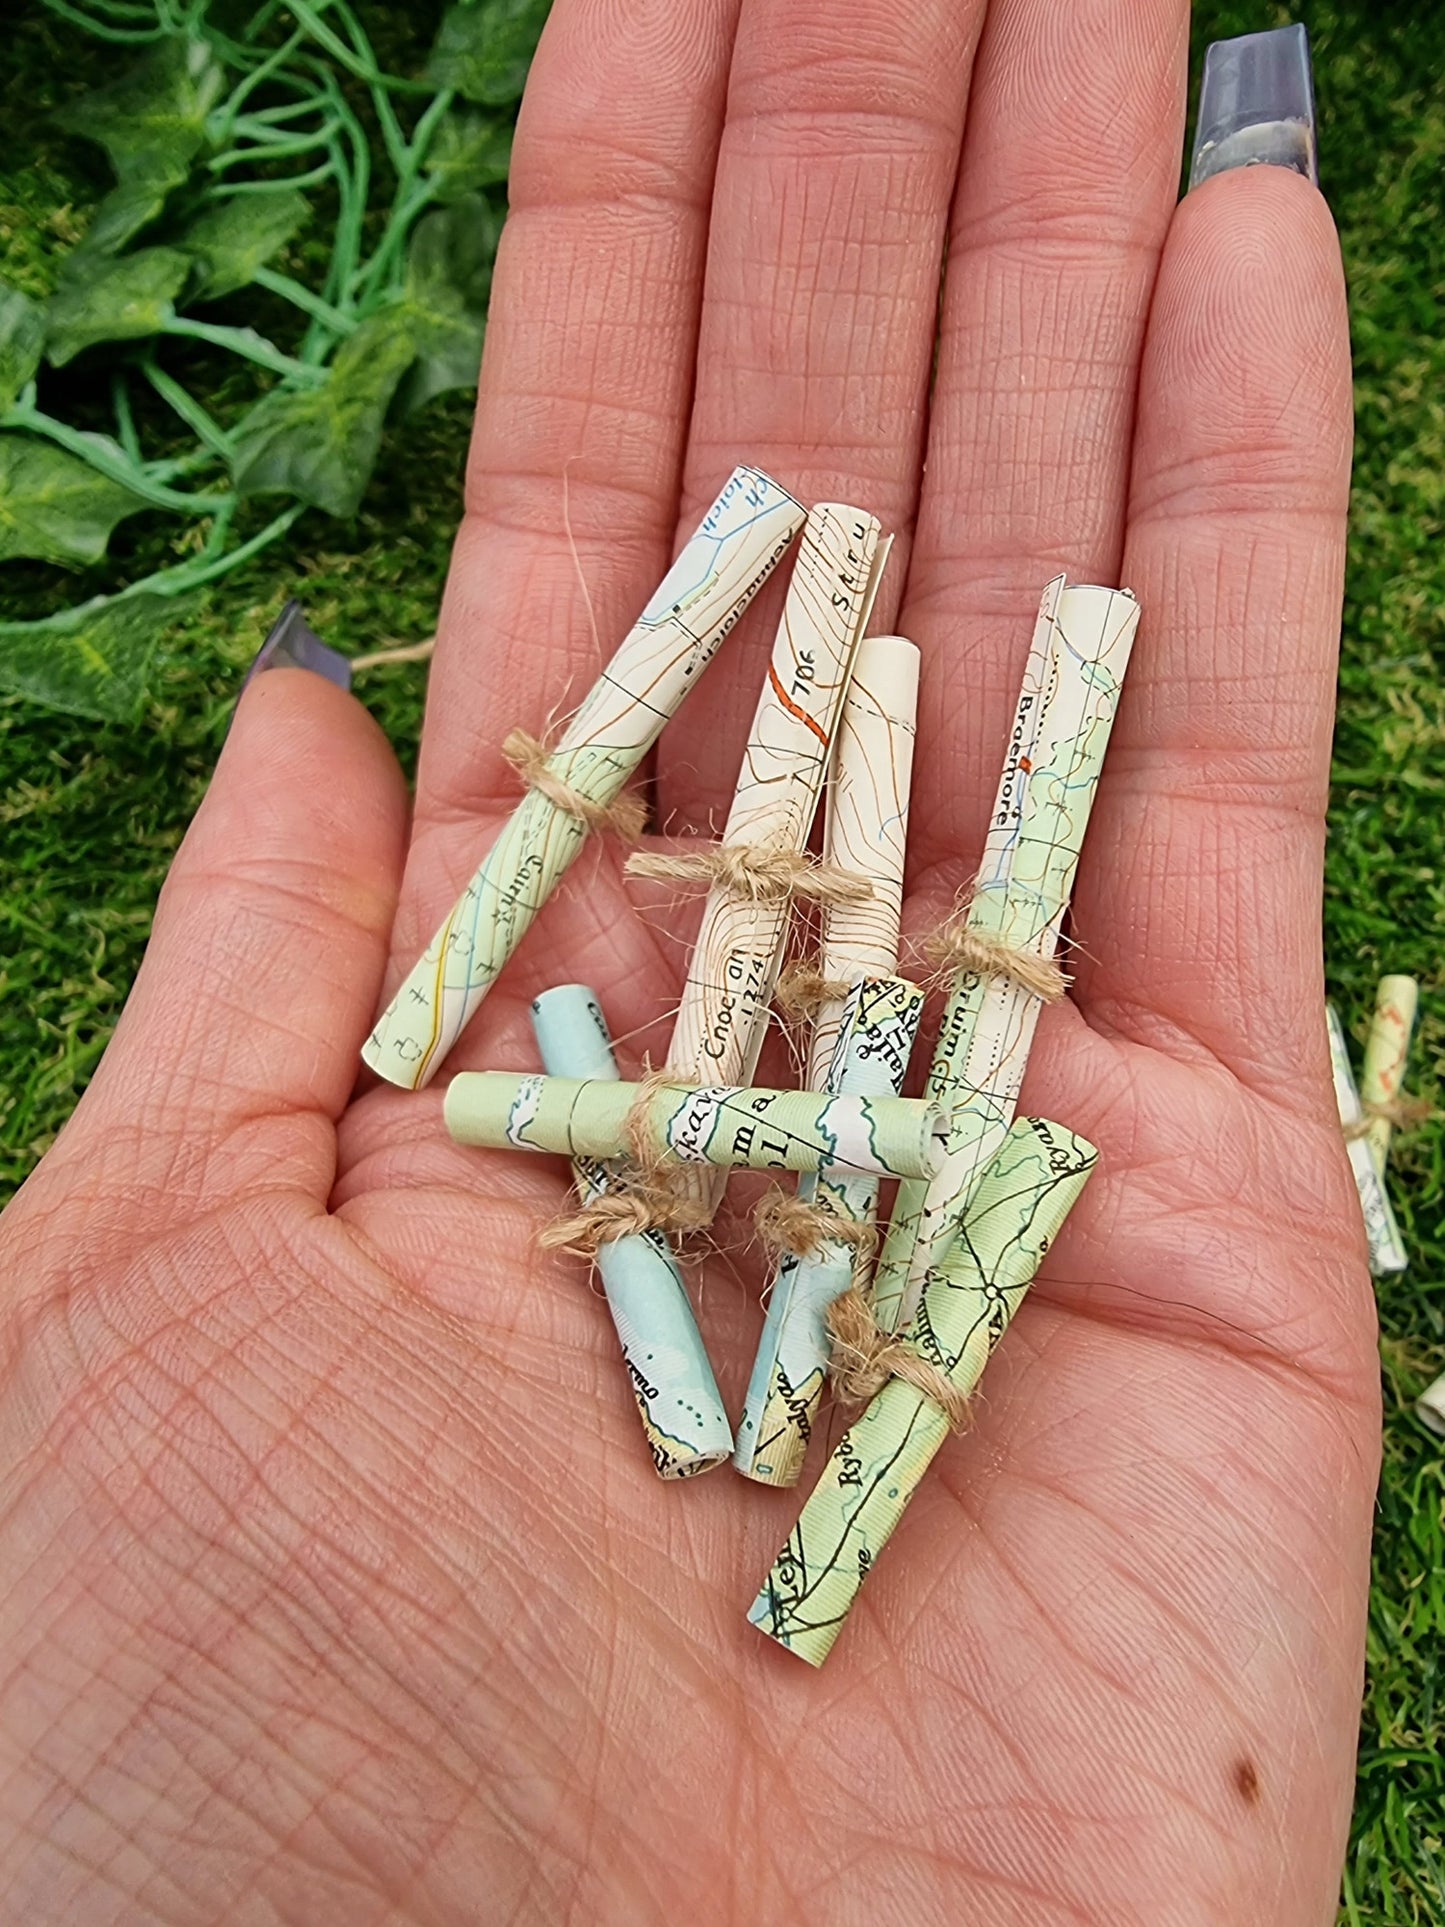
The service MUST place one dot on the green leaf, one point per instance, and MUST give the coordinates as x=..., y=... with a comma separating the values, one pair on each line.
x=114, y=301
x=118, y=218
x=91, y=660
x=448, y=278
x=152, y=120
x=22, y=338
x=320, y=444
x=54, y=506
x=450, y=357
x=237, y=236
x=469, y=150
x=484, y=51
x=454, y=248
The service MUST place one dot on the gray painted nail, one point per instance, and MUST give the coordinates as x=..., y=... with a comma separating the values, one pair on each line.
x=292, y=644
x=1257, y=106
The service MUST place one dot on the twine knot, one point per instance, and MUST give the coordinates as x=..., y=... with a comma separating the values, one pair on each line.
x=802, y=990
x=864, y=1358
x=1403, y=1113
x=958, y=947
x=625, y=816
x=758, y=874
x=787, y=1223
x=633, y=1208
x=641, y=1196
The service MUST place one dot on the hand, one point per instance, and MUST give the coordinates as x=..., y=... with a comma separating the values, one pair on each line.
x=338, y=1584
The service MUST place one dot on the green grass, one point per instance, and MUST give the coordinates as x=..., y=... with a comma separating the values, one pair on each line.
x=92, y=814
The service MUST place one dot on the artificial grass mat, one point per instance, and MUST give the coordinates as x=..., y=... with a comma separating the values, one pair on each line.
x=90, y=814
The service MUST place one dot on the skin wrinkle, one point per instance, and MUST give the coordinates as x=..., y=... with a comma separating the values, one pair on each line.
x=867, y=131
x=1120, y=1013
x=1210, y=1336
x=1186, y=503
x=1240, y=1138
x=148, y=1816
x=261, y=1482
x=1088, y=1842
x=664, y=192
x=1054, y=1610
x=542, y=487
x=316, y=890
x=174, y=1167
x=428, y=1834
x=591, y=155
x=1049, y=1839
x=198, y=1826
x=51, y=1815
x=852, y=58
x=1243, y=1465
x=1145, y=1694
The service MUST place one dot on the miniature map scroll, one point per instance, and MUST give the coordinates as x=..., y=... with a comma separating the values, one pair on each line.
x=741, y=539
x=880, y=1022
x=865, y=828
x=722, y=1018
x=1065, y=712
x=1387, y=1051
x=683, y=1418
x=1387, y=1250
x=861, y=1041
x=1017, y=1209
x=727, y=1125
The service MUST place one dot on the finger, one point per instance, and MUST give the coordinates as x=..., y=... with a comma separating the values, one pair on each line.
x=833, y=184
x=1070, y=170
x=262, y=971
x=574, y=470
x=1200, y=906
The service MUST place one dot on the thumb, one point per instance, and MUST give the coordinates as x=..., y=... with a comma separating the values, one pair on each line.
x=265, y=959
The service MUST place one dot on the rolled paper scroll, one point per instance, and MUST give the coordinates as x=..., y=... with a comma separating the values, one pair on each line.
x=741, y=539
x=1387, y=1049
x=865, y=831
x=1018, y=1206
x=1061, y=728
x=1430, y=1407
x=722, y=1018
x=859, y=1043
x=1387, y=1252
x=880, y=1022
x=683, y=1419
x=721, y=1124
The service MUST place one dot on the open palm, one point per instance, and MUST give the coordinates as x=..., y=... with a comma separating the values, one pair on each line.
x=338, y=1584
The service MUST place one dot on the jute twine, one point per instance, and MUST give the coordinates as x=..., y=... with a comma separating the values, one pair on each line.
x=755, y=873
x=957, y=947
x=787, y=1223
x=625, y=816
x=802, y=989
x=634, y=1207
x=1404, y=1113
x=643, y=1198
x=864, y=1358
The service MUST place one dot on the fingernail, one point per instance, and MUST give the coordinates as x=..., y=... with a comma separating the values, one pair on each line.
x=292, y=644
x=1256, y=106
